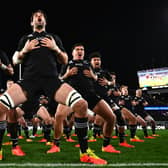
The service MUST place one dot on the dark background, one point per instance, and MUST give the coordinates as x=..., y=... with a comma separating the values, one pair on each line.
x=130, y=35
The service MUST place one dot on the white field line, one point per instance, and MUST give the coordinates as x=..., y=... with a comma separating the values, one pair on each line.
x=80, y=164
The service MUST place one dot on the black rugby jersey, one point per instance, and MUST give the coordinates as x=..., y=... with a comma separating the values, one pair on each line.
x=79, y=81
x=127, y=101
x=40, y=62
x=101, y=90
x=139, y=107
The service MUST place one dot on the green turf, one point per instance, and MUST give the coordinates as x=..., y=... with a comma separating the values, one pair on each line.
x=151, y=151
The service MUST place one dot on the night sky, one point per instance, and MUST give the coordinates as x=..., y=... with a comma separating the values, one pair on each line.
x=130, y=35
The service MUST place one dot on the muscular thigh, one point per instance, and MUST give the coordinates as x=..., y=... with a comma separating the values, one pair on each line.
x=104, y=110
x=62, y=93
x=16, y=94
x=127, y=114
x=140, y=120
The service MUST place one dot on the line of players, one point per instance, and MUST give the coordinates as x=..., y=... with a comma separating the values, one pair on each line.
x=127, y=109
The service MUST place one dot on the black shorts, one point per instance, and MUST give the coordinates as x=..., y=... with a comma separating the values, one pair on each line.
x=91, y=98
x=36, y=87
x=52, y=106
x=30, y=107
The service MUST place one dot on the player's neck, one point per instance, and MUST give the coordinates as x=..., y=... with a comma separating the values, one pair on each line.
x=39, y=30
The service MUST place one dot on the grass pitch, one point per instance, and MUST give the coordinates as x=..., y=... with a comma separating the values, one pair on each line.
x=151, y=153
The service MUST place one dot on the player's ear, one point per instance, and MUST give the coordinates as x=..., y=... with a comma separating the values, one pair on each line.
x=31, y=24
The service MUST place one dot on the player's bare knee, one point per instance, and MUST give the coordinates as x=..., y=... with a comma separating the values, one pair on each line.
x=19, y=112
x=80, y=107
x=111, y=117
x=60, y=116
